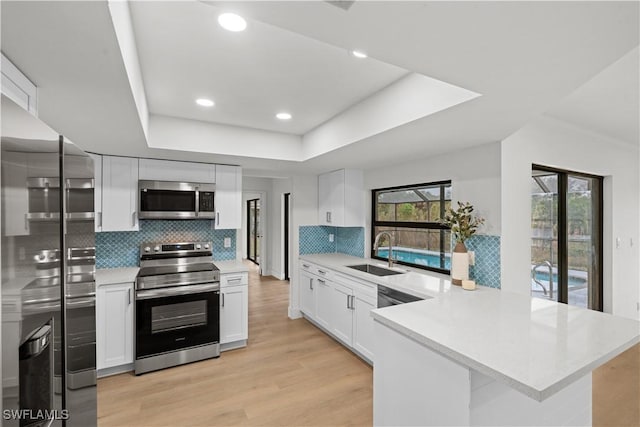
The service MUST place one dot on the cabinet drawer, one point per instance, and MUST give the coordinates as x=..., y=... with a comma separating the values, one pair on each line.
x=359, y=286
x=235, y=279
x=319, y=271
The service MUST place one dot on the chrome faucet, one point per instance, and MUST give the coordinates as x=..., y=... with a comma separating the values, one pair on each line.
x=377, y=241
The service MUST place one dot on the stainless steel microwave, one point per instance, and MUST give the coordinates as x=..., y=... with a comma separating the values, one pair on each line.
x=176, y=200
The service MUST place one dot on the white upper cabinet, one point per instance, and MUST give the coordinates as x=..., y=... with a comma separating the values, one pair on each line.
x=168, y=170
x=119, y=193
x=341, y=199
x=97, y=189
x=228, y=197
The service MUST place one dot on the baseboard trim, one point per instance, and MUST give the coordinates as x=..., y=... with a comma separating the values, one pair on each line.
x=233, y=345
x=294, y=313
x=115, y=370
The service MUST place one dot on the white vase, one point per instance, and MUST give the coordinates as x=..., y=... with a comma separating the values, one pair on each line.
x=459, y=264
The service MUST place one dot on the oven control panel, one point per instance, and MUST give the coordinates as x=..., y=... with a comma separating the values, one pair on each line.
x=179, y=248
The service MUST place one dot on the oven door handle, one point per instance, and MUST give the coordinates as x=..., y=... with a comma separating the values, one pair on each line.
x=173, y=291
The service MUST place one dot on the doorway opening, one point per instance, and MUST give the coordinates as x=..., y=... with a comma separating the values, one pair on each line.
x=253, y=230
x=287, y=197
x=566, y=239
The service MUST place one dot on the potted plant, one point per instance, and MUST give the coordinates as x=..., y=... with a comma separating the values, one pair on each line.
x=463, y=224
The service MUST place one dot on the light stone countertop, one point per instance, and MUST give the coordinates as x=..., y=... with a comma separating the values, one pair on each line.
x=535, y=346
x=233, y=266
x=112, y=276
x=420, y=283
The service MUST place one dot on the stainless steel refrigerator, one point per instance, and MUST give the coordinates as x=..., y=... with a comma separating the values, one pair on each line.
x=48, y=276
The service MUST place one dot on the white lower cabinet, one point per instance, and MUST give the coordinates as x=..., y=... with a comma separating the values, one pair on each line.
x=234, y=310
x=363, y=335
x=307, y=294
x=339, y=305
x=114, y=325
x=323, y=296
x=342, y=314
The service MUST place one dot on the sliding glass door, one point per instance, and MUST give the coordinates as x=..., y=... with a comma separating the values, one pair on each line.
x=253, y=230
x=566, y=241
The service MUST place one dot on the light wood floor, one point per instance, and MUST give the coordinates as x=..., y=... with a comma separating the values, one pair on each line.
x=293, y=374
x=289, y=374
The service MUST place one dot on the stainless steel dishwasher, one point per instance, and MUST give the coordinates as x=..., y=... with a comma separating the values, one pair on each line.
x=388, y=297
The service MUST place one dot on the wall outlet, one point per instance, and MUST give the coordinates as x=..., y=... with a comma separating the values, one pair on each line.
x=227, y=242
x=472, y=258
x=331, y=237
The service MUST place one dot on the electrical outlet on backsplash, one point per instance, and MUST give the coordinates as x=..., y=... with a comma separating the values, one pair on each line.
x=122, y=249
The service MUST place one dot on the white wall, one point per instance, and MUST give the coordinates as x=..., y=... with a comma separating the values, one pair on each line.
x=412, y=97
x=121, y=18
x=474, y=174
x=173, y=133
x=304, y=208
x=276, y=227
x=550, y=142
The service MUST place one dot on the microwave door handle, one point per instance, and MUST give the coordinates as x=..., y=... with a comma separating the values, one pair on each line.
x=197, y=202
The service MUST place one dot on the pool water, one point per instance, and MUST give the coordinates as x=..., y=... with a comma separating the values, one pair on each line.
x=418, y=258
x=574, y=282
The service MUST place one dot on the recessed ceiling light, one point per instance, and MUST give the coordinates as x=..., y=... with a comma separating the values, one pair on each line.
x=232, y=22
x=205, y=102
x=283, y=116
x=358, y=54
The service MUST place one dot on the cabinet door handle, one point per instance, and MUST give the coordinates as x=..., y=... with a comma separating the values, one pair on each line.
x=303, y=265
x=222, y=295
x=217, y=218
x=328, y=216
x=100, y=219
x=349, y=301
x=353, y=302
x=133, y=218
x=129, y=295
x=322, y=272
x=311, y=284
x=234, y=280
x=321, y=281
x=26, y=222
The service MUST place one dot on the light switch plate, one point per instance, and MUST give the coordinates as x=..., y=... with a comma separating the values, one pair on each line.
x=227, y=242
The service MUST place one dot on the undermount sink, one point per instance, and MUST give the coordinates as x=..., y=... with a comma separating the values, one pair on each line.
x=375, y=270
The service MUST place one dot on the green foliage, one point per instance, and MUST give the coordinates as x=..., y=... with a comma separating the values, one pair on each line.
x=462, y=222
x=406, y=212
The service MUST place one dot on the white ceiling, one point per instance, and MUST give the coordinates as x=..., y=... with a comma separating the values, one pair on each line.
x=251, y=75
x=525, y=58
x=609, y=103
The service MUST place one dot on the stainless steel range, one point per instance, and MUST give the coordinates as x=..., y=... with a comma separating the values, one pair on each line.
x=177, y=305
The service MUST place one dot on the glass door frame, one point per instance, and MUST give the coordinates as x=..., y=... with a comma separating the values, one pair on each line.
x=563, y=235
x=253, y=257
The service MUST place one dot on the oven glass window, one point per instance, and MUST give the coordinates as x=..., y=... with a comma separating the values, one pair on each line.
x=167, y=201
x=177, y=316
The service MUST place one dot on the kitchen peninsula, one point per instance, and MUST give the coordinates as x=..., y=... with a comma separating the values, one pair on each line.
x=491, y=357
